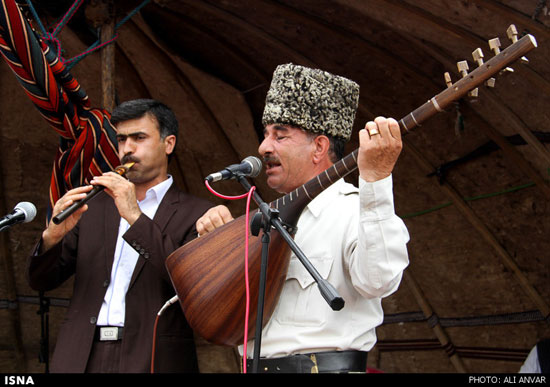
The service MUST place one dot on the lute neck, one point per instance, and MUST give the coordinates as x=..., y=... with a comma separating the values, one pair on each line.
x=291, y=205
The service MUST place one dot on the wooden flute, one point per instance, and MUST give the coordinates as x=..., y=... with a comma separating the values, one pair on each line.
x=121, y=170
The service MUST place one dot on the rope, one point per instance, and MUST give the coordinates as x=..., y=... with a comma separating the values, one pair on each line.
x=131, y=14
x=96, y=45
x=35, y=15
x=483, y=196
x=468, y=199
x=488, y=353
x=484, y=320
x=390, y=318
x=68, y=15
x=54, y=42
x=73, y=61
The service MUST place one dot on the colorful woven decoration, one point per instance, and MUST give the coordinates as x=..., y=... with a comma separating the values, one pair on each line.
x=87, y=143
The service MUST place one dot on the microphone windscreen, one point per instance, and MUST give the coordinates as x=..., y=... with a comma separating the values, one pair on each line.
x=256, y=165
x=28, y=209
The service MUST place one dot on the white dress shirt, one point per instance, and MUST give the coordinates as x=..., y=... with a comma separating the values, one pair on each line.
x=531, y=365
x=113, y=308
x=355, y=241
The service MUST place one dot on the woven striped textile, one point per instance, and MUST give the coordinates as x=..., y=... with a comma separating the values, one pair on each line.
x=87, y=142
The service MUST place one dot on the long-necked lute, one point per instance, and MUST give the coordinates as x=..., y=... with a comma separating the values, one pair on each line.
x=208, y=273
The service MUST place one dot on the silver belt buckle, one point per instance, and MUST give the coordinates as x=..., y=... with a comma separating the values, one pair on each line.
x=108, y=333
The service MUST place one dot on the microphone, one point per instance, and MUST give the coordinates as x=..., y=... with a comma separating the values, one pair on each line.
x=23, y=212
x=250, y=166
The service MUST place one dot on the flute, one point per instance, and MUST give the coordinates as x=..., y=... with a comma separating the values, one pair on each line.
x=121, y=170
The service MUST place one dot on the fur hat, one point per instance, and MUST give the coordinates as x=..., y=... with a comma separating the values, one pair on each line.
x=311, y=99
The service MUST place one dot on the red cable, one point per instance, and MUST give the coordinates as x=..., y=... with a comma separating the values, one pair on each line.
x=223, y=196
x=247, y=222
x=248, y=195
x=246, y=279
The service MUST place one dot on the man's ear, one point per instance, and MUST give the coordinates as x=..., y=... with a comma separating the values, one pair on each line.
x=170, y=144
x=321, y=148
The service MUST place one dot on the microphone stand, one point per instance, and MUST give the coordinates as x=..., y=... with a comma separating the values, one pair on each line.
x=270, y=218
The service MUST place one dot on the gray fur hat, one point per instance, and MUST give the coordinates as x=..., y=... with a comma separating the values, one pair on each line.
x=311, y=99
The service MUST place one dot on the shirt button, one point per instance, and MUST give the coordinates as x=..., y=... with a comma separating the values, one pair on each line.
x=93, y=320
x=105, y=283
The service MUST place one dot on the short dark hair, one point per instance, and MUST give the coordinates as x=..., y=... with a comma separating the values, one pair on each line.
x=337, y=148
x=137, y=108
x=337, y=145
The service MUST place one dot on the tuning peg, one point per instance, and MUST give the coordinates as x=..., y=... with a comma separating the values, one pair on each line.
x=494, y=45
x=463, y=69
x=477, y=54
x=512, y=33
x=448, y=80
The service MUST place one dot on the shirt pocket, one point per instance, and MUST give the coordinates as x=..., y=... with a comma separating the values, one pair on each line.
x=301, y=303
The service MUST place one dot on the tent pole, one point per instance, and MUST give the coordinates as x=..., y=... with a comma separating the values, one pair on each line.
x=485, y=233
x=108, y=60
x=433, y=321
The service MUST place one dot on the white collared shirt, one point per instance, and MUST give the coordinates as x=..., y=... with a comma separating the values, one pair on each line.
x=531, y=365
x=113, y=308
x=355, y=241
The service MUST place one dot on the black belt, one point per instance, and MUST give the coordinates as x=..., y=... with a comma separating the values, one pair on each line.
x=108, y=333
x=338, y=361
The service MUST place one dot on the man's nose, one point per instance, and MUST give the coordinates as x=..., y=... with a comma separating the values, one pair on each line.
x=128, y=147
x=265, y=147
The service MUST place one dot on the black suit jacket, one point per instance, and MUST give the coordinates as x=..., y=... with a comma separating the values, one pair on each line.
x=88, y=253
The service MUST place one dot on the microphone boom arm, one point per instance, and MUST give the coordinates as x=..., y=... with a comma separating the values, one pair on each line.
x=271, y=215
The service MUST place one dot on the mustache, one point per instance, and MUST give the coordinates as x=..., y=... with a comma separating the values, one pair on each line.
x=129, y=158
x=271, y=159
